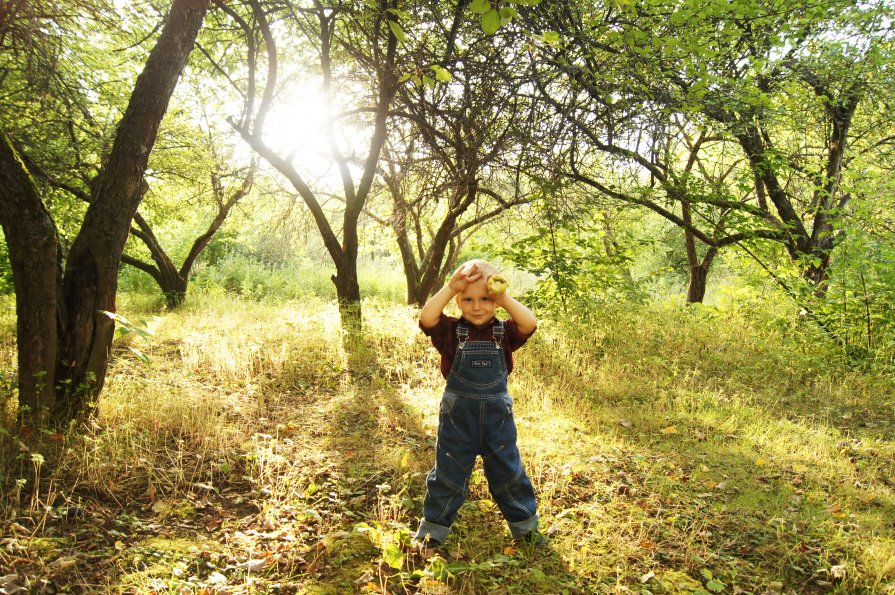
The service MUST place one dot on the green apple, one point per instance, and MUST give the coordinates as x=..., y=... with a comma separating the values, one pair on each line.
x=497, y=284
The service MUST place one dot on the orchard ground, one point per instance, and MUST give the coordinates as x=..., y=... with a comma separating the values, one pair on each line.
x=250, y=447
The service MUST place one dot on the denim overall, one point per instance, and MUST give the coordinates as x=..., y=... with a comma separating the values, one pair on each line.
x=476, y=418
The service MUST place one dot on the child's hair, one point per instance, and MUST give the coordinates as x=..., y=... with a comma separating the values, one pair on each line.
x=485, y=268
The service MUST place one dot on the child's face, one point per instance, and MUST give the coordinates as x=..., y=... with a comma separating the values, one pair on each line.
x=476, y=304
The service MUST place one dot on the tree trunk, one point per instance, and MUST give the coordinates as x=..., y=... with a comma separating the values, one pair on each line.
x=698, y=277
x=171, y=280
x=34, y=256
x=430, y=269
x=698, y=270
x=91, y=274
x=348, y=295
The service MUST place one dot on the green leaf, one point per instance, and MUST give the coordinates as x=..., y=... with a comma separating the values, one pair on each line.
x=508, y=13
x=715, y=586
x=141, y=356
x=404, y=77
x=429, y=81
x=393, y=556
x=551, y=37
x=397, y=31
x=401, y=14
x=480, y=6
x=491, y=22
x=441, y=74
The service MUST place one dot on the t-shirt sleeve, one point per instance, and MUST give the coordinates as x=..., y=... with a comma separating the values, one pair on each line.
x=440, y=333
x=515, y=338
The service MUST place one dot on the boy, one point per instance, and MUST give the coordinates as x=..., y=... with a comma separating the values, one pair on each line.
x=476, y=413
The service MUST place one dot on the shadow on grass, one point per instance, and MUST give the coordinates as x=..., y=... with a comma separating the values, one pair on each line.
x=384, y=446
x=738, y=495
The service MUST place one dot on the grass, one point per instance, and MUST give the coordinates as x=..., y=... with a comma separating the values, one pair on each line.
x=673, y=450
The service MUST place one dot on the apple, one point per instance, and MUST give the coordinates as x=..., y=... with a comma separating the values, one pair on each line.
x=497, y=284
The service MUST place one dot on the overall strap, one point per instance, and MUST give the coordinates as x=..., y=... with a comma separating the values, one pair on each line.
x=462, y=334
x=497, y=333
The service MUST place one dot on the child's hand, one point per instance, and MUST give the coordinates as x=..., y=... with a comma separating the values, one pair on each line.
x=463, y=277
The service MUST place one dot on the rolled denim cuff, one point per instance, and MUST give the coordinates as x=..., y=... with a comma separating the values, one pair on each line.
x=434, y=532
x=520, y=528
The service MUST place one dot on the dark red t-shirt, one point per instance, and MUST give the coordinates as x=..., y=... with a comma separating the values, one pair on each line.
x=444, y=338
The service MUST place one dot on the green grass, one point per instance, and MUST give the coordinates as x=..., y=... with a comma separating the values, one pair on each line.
x=673, y=450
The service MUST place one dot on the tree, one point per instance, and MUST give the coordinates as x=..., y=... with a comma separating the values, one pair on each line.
x=455, y=162
x=203, y=171
x=65, y=316
x=349, y=41
x=755, y=75
x=172, y=280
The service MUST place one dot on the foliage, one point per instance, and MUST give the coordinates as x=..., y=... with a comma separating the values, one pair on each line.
x=6, y=285
x=248, y=276
x=580, y=262
x=760, y=101
x=859, y=303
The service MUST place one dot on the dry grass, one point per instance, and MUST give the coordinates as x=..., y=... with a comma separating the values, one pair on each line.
x=672, y=452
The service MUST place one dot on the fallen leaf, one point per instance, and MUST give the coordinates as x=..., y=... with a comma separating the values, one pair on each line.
x=162, y=507
x=9, y=584
x=647, y=544
x=254, y=565
x=625, y=423
x=646, y=577
x=761, y=462
x=669, y=430
x=62, y=564
x=216, y=578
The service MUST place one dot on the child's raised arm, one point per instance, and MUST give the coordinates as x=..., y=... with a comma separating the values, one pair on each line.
x=437, y=303
x=519, y=312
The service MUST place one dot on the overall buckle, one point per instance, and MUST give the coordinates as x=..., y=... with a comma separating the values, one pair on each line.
x=462, y=334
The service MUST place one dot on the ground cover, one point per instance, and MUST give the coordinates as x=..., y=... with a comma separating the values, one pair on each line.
x=250, y=447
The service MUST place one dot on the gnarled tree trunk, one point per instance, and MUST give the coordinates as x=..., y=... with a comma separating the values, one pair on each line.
x=34, y=255
x=73, y=357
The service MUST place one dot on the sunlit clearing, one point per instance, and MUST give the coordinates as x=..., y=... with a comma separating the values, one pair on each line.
x=297, y=124
x=296, y=129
